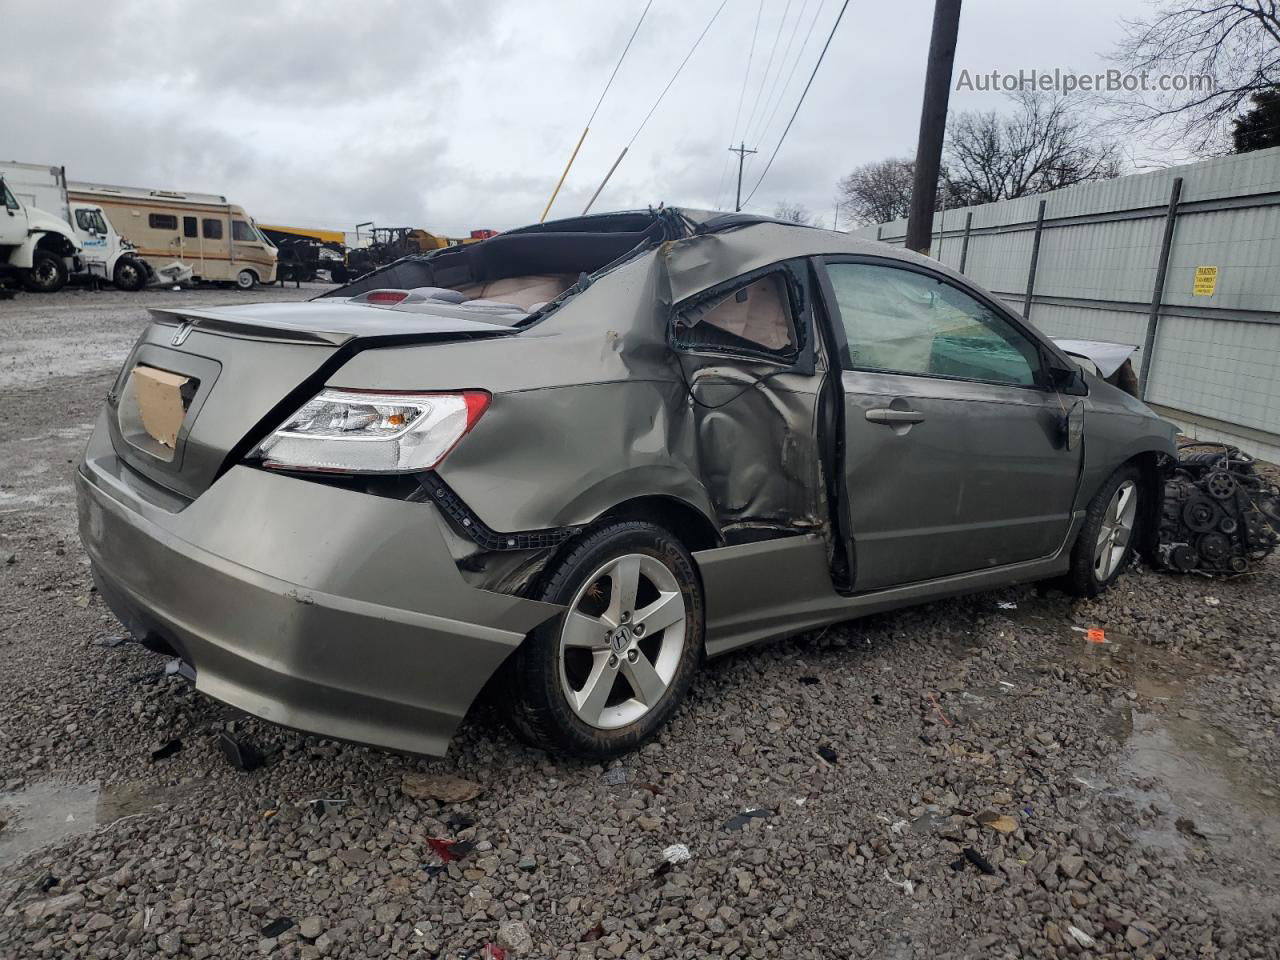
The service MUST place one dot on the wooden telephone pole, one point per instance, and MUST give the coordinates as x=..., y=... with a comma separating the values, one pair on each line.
x=933, y=123
x=742, y=151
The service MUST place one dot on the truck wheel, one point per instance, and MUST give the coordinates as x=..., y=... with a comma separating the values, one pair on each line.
x=605, y=675
x=48, y=273
x=246, y=279
x=129, y=275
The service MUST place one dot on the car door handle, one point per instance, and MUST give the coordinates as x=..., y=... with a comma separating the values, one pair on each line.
x=894, y=417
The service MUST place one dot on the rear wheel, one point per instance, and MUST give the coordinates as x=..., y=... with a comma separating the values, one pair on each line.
x=1108, y=538
x=48, y=273
x=605, y=675
x=246, y=279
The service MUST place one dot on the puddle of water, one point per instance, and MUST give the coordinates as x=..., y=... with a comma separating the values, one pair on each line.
x=43, y=814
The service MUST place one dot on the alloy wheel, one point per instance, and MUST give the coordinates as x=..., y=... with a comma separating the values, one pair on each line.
x=621, y=641
x=1116, y=530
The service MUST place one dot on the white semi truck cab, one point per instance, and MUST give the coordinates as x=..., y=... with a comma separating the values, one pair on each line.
x=101, y=251
x=35, y=246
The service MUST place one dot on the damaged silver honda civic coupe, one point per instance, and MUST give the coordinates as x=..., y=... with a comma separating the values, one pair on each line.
x=569, y=462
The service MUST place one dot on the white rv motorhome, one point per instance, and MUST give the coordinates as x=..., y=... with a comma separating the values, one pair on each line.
x=215, y=239
x=104, y=253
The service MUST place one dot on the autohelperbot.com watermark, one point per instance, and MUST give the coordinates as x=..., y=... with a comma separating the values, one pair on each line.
x=1058, y=80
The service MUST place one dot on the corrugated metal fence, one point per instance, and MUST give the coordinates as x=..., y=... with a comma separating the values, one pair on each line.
x=1183, y=263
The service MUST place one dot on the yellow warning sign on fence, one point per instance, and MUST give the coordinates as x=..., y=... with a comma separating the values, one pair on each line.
x=1206, y=282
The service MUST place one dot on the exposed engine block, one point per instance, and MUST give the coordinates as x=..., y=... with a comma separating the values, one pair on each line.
x=1218, y=513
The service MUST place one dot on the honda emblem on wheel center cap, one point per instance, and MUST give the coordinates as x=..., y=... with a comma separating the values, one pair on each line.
x=620, y=639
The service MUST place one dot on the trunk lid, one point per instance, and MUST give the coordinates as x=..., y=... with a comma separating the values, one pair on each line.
x=243, y=369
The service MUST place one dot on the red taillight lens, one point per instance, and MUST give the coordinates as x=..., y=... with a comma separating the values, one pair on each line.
x=389, y=297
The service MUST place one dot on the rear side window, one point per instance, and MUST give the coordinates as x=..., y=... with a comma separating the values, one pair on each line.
x=243, y=232
x=162, y=221
x=900, y=321
x=189, y=227
x=212, y=229
x=755, y=318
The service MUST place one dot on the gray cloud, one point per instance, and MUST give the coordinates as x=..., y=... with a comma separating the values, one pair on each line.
x=461, y=115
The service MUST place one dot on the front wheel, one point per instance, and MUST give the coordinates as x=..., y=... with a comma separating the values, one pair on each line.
x=130, y=275
x=48, y=273
x=1108, y=537
x=605, y=675
x=246, y=279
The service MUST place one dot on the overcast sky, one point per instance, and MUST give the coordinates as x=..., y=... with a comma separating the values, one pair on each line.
x=458, y=115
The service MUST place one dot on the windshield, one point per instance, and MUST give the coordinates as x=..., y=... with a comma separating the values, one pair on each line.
x=90, y=220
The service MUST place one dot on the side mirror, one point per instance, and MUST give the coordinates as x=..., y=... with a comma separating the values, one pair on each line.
x=1068, y=380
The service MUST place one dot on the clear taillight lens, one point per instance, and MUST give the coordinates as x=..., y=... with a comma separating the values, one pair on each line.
x=351, y=431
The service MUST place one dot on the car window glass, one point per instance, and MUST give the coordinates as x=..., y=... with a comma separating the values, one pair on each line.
x=189, y=226
x=901, y=321
x=755, y=316
x=243, y=232
x=84, y=221
x=212, y=229
x=9, y=201
x=162, y=221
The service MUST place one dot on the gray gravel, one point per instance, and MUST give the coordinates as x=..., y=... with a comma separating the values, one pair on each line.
x=1138, y=778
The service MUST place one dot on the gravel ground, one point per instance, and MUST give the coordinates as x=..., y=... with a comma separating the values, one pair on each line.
x=966, y=779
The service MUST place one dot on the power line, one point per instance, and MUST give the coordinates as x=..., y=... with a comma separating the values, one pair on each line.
x=677, y=73
x=795, y=63
x=573, y=156
x=782, y=64
x=742, y=96
x=686, y=59
x=803, y=94
x=618, y=65
x=764, y=78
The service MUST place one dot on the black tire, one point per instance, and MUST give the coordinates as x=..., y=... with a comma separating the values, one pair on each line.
x=537, y=707
x=1083, y=580
x=246, y=280
x=48, y=273
x=130, y=275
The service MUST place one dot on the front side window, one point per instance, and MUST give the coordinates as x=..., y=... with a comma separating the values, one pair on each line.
x=242, y=232
x=900, y=321
x=754, y=318
x=162, y=221
x=9, y=201
x=212, y=229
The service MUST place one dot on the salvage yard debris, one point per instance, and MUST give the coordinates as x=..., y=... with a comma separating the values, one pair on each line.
x=740, y=820
x=241, y=754
x=1003, y=824
x=443, y=787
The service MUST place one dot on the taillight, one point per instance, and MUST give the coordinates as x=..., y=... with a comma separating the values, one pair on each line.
x=353, y=431
x=385, y=297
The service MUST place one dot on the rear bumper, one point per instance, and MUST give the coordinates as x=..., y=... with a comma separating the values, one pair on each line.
x=316, y=608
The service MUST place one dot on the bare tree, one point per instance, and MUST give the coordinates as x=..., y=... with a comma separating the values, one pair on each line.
x=1213, y=55
x=877, y=192
x=793, y=213
x=1045, y=144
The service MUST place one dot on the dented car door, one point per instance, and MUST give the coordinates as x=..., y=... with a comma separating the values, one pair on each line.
x=955, y=458
x=747, y=352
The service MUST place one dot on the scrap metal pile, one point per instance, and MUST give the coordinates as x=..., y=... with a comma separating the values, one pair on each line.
x=1219, y=514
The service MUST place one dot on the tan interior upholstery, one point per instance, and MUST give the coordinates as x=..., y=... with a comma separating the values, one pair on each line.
x=755, y=313
x=524, y=292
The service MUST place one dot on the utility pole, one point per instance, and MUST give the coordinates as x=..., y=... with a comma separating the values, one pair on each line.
x=742, y=151
x=933, y=122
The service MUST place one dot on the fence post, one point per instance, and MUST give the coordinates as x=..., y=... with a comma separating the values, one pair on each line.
x=879, y=230
x=1035, y=258
x=1157, y=295
x=964, y=244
